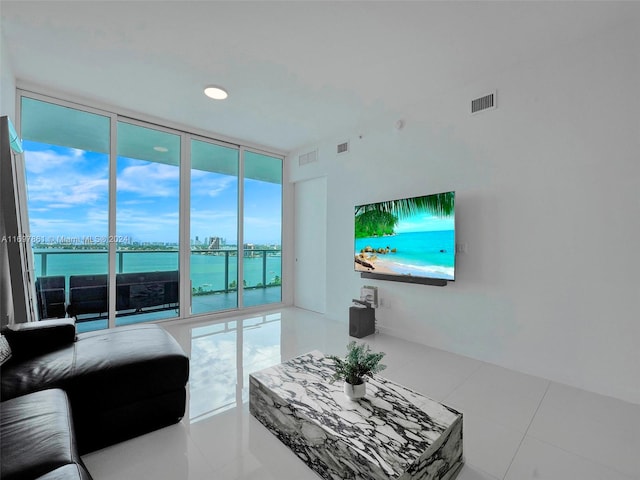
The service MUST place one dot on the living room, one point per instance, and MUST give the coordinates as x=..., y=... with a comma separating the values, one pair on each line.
x=546, y=189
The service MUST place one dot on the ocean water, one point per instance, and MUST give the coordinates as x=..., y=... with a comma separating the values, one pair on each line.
x=418, y=253
x=207, y=271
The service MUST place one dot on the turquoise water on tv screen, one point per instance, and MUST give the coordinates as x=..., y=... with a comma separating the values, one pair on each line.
x=426, y=254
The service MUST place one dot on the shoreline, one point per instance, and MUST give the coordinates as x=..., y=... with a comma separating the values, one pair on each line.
x=379, y=266
x=385, y=266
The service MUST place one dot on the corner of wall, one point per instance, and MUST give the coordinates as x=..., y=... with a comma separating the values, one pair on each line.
x=7, y=81
x=7, y=107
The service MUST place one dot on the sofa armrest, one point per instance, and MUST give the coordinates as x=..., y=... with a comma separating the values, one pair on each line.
x=35, y=338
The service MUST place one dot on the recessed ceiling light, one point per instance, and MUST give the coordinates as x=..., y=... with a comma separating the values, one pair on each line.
x=161, y=149
x=217, y=93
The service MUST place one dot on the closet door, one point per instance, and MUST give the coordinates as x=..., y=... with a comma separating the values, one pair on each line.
x=311, y=244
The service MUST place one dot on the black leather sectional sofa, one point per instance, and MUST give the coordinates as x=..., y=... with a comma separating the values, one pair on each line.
x=64, y=394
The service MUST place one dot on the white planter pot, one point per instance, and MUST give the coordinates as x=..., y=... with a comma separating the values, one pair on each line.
x=355, y=392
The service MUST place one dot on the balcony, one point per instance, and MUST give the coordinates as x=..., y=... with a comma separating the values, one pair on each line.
x=142, y=295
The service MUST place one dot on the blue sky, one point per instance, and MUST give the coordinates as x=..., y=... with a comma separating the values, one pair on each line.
x=68, y=196
x=425, y=222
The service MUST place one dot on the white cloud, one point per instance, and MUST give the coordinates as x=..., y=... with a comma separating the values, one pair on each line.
x=60, y=188
x=49, y=160
x=201, y=215
x=262, y=222
x=220, y=223
x=212, y=186
x=60, y=205
x=62, y=180
x=148, y=201
x=150, y=179
x=163, y=226
x=76, y=152
x=75, y=226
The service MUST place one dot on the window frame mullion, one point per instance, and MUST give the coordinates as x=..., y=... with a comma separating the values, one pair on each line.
x=112, y=246
x=184, y=243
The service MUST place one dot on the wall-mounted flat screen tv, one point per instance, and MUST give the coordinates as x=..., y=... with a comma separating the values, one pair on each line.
x=413, y=237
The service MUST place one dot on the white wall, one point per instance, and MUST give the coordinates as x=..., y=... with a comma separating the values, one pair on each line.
x=7, y=82
x=7, y=107
x=548, y=204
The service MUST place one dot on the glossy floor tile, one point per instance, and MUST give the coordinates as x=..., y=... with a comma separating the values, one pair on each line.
x=537, y=460
x=500, y=395
x=516, y=426
x=574, y=420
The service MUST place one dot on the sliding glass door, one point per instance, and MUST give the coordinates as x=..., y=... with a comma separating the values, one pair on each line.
x=214, y=227
x=135, y=222
x=262, y=258
x=67, y=175
x=147, y=224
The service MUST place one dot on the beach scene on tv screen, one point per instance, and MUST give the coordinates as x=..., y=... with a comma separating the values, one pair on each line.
x=412, y=236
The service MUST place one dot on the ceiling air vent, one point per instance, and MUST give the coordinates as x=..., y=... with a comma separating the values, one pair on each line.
x=343, y=147
x=308, y=157
x=488, y=102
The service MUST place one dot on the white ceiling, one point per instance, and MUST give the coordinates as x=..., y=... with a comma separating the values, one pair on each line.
x=296, y=72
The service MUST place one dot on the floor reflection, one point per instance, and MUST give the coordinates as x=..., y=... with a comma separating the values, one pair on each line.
x=222, y=357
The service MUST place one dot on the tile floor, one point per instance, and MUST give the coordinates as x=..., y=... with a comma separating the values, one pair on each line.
x=516, y=426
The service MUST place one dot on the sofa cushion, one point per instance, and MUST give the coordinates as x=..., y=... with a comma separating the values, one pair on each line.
x=104, y=369
x=37, y=435
x=35, y=338
x=22, y=376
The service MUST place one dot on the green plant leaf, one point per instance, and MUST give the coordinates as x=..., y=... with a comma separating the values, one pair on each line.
x=360, y=362
x=380, y=218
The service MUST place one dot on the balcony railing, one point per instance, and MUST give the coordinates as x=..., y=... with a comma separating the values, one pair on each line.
x=214, y=271
x=43, y=265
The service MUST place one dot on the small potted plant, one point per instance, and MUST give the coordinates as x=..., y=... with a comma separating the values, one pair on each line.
x=359, y=363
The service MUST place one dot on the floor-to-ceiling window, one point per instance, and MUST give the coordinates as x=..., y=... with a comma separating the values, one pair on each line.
x=214, y=227
x=147, y=223
x=67, y=173
x=262, y=230
x=111, y=200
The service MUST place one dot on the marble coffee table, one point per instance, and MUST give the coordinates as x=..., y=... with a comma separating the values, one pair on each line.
x=392, y=433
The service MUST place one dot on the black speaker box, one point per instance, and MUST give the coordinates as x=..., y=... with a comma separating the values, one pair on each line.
x=362, y=321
